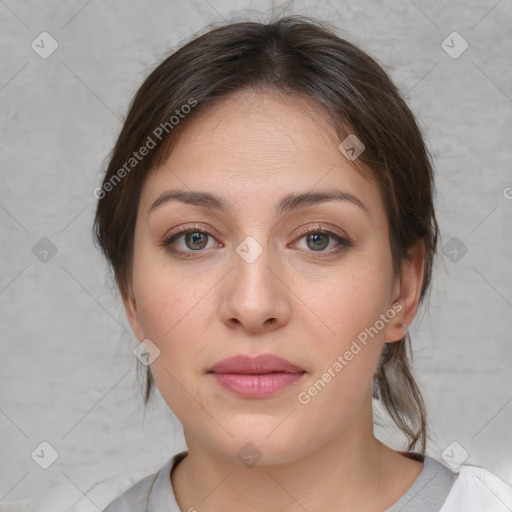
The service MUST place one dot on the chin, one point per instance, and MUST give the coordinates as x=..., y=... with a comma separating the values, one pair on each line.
x=261, y=439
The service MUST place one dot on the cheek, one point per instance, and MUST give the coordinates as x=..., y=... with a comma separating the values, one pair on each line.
x=353, y=300
x=169, y=311
x=164, y=296
x=346, y=358
x=174, y=309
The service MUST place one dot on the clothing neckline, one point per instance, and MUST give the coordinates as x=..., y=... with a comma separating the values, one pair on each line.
x=434, y=478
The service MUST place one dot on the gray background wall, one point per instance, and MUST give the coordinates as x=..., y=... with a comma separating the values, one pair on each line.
x=68, y=376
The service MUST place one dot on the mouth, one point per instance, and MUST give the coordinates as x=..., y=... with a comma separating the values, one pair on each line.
x=255, y=377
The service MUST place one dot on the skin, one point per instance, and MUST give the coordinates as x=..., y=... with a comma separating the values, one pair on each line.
x=253, y=148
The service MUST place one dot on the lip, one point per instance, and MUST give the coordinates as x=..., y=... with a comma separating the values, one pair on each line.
x=263, y=363
x=255, y=377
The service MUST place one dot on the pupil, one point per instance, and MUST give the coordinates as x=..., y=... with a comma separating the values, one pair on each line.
x=317, y=238
x=196, y=239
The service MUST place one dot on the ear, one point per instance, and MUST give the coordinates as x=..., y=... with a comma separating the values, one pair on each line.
x=130, y=308
x=406, y=291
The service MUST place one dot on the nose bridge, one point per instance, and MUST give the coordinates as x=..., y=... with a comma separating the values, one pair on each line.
x=255, y=296
x=252, y=262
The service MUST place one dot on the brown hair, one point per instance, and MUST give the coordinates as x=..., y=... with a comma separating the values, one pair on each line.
x=299, y=55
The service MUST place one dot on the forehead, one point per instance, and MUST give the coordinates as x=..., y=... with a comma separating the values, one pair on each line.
x=257, y=127
x=258, y=146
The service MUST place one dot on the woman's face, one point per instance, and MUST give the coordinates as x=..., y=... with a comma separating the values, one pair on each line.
x=251, y=281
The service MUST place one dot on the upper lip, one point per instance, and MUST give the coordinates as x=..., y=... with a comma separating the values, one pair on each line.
x=263, y=363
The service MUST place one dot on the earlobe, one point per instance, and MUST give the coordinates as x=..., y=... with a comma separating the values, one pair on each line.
x=407, y=293
x=396, y=328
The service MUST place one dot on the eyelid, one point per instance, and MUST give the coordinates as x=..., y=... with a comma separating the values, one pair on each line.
x=326, y=229
x=191, y=227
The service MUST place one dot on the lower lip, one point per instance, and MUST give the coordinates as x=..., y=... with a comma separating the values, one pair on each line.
x=256, y=386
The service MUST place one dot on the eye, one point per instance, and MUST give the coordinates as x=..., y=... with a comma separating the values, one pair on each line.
x=318, y=238
x=194, y=240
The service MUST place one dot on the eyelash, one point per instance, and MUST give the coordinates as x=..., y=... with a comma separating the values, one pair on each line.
x=168, y=241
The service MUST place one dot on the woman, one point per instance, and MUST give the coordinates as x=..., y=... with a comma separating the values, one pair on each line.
x=268, y=215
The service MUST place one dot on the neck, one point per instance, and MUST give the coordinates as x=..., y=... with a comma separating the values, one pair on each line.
x=353, y=471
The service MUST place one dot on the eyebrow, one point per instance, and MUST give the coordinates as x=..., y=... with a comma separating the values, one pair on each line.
x=286, y=204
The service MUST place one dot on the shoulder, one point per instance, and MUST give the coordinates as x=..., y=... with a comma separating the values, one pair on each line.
x=150, y=492
x=135, y=499
x=478, y=490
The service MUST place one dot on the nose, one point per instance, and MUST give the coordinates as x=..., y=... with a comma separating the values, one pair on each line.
x=256, y=296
